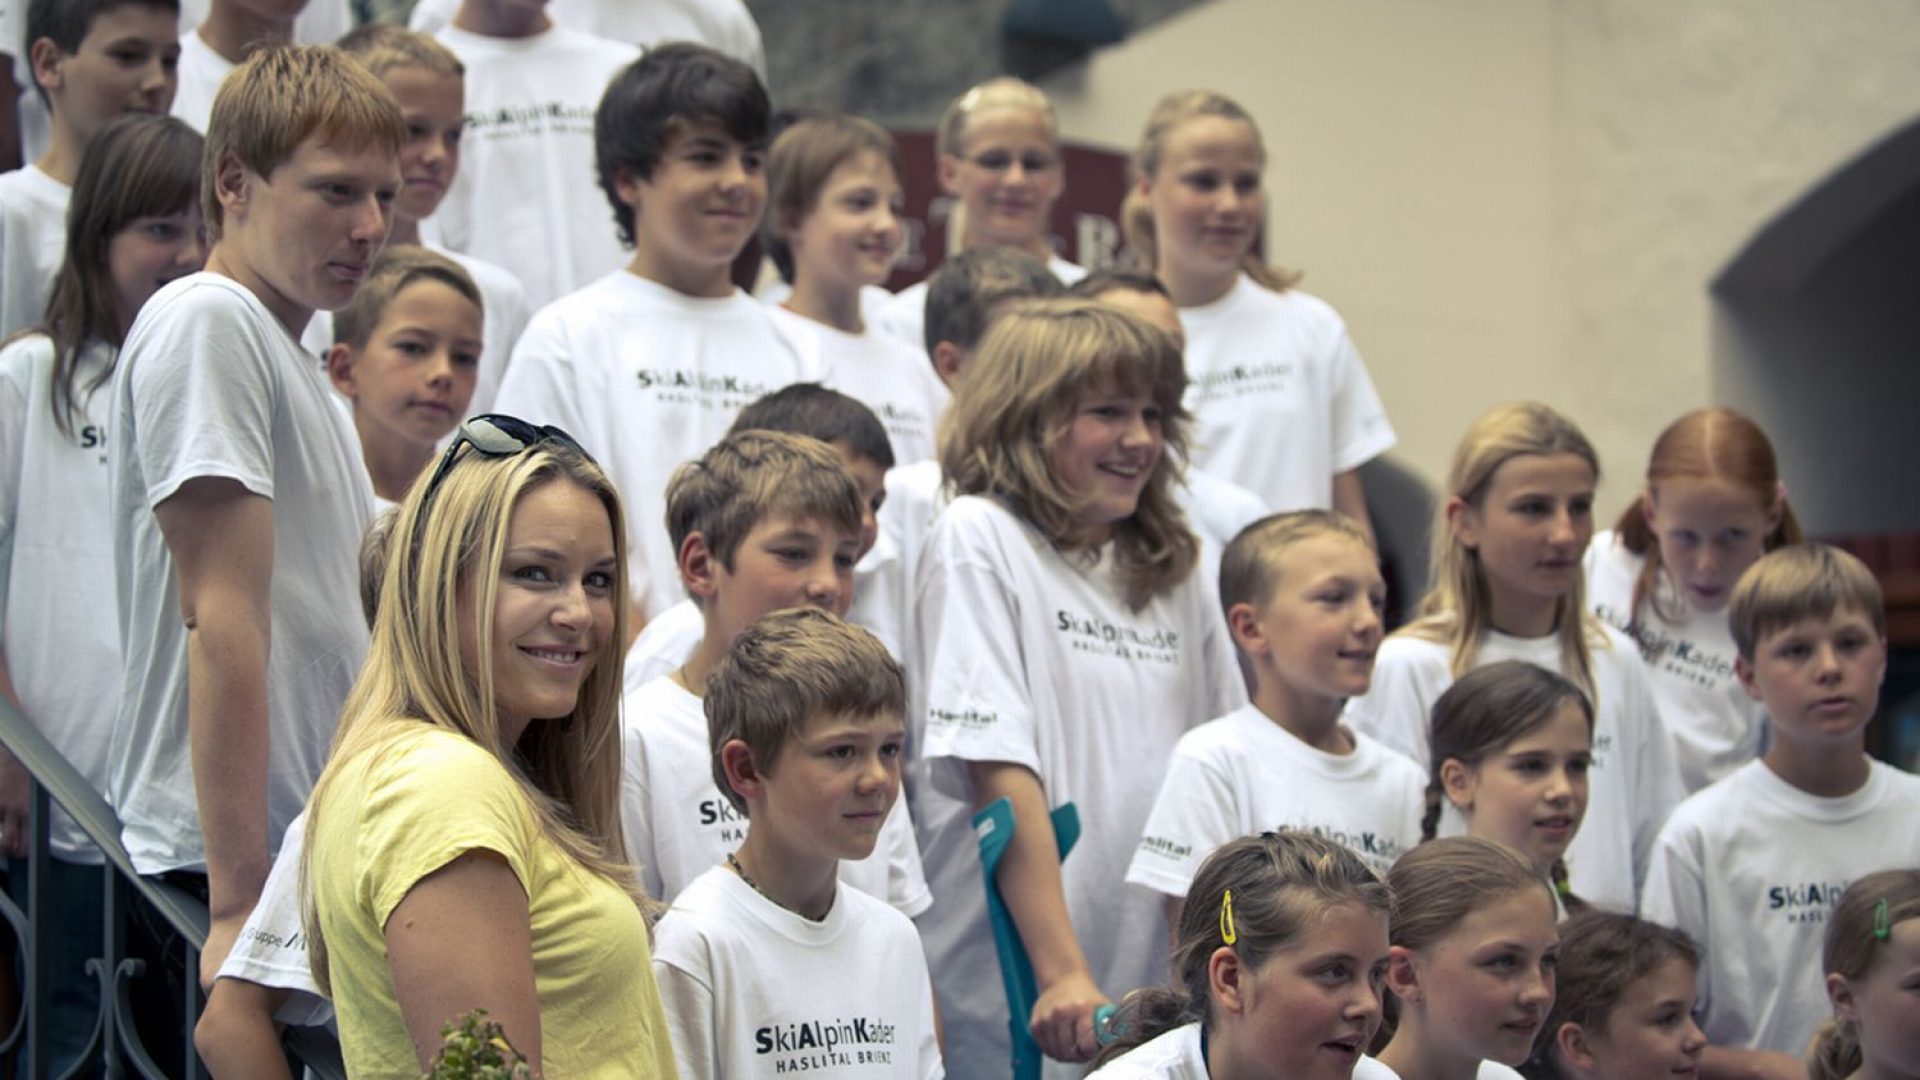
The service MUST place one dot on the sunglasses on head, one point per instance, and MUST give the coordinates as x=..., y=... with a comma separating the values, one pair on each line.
x=495, y=435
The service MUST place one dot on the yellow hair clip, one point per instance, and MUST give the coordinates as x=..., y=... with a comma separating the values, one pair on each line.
x=1227, y=932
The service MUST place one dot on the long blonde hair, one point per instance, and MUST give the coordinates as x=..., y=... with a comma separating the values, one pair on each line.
x=1136, y=217
x=1458, y=609
x=1015, y=401
x=416, y=679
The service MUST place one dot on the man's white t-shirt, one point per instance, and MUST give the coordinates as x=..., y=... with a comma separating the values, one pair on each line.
x=1032, y=657
x=33, y=242
x=57, y=628
x=211, y=385
x=754, y=990
x=879, y=371
x=725, y=25
x=1281, y=401
x=272, y=947
x=679, y=825
x=200, y=72
x=1752, y=867
x=906, y=317
x=1716, y=727
x=527, y=194
x=1244, y=774
x=646, y=379
x=1634, y=780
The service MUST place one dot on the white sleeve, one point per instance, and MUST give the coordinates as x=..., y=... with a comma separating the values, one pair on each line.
x=203, y=397
x=1192, y=815
x=932, y=1066
x=1394, y=708
x=1657, y=783
x=906, y=878
x=541, y=384
x=1676, y=895
x=14, y=397
x=636, y=795
x=972, y=666
x=1361, y=431
x=271, y=950
x=686, y=995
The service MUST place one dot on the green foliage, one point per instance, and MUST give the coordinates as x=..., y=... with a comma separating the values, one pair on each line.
x=475, y=1048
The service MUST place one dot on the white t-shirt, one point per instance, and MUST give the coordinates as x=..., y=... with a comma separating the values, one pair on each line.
x=527, y=194
x=1371, y=1069
x=725, y=25
x=679, y=825
x=201, y=71
x=1634, y=781
x=272, y=947
x=1243, y=774
x=754, y=990
x=906, y=317
x=321, y=22
x=1281, y=401
x=881, y=372
x=647, y=378
x=210, y=384
x=33, y=241
x=59, y=634
x=1752, y=867
x=1716, y=727
x=1175, y=1054
x=1033, y=657
x=667, y=642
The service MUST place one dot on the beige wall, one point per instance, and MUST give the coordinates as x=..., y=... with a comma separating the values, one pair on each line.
x=1514, y=198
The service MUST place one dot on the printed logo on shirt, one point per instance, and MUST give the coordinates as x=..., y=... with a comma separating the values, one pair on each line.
x=1171, y=849
x=1805, y=902
x=718, y=812
x=969, y=719
x=729, y=392
x=1602, y=745
x=1671, y=655
x=1092, y=634
x=1378, y=851
x=1239, y=380
x=267, y=939
x=826, y=1044
x=509, y=121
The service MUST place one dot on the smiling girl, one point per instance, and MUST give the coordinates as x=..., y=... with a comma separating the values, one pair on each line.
x=1714, y=503
x=1282, y=403
x=1066, y=644
x=1507, y=586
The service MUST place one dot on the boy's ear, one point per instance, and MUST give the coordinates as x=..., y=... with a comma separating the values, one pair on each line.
x=1402, y=979
x=230, y=185
x=948, y=359
x=627, y=184
x=699, y=567
x=44, y=57
x=340, y=369
x=1571, y=1041
x=1224, y=972
x=736, y=763
x=1743, y=670
x=1457, y=783
x=1244, y=624
x=1463, y=522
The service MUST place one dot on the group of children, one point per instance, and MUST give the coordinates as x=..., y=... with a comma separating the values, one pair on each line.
x=1096, y=540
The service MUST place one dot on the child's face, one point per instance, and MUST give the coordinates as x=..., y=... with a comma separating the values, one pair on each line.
x=415, y=376
x=1109, y=452
x=1321, y=627
x=1651, y=1031
x=871, y=479
x=555, y=606
x=304, y=238
x=1531, y=527
x=1006, y=176
x=1530, y=794
x=784, y=562
x=1710, y=531
x=1311, y=1009
x=850, y=237
x=125, y=63
x=1885, y=1005
x=150, y=252
x=1208, y=206
x=703, y=201
x=1485, y=988
x=1819, y=678
x=833, y=784
x=434, y=108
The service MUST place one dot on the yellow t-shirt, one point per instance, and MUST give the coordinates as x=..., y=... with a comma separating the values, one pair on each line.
x=399, y=814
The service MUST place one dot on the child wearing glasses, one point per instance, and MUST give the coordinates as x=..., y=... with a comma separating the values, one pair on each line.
x=238, y=495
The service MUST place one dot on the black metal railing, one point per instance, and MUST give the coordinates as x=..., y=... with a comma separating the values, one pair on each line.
x=116, y=1046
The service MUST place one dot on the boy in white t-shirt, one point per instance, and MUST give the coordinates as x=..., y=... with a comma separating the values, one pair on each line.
x=764, y=521
x=808, y=409
x=1303, y=598
x=767, y=964
x=90, y=61
x=1752, y=865
x=238, y=492
x=232, y=31
x=647, y=366
x=526, y=198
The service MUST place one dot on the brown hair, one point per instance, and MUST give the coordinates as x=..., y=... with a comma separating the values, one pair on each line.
x=1706, y=444
x=799, y=165
x=382, y=47
x=1441, y=882
x=1280, y=884
x=788, y=669
x=393, y=270
x=750, y=475
x=1250, y=566
x=1136, y=217
x=1015, y=402
x=1853, y=940
x=1801, y=581
x=1602, y=954
x=963, y=295
x=278, y=98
